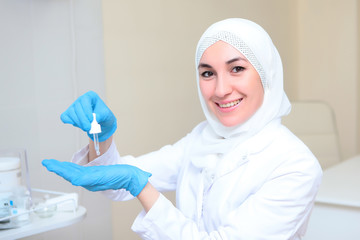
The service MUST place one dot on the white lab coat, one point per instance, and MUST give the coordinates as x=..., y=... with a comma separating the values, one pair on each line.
x=265, y=190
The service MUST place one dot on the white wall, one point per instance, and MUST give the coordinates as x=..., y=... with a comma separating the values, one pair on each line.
x=358, y=76
x=51, y=52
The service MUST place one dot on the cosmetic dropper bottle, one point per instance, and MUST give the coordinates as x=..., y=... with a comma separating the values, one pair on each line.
x=95, y=130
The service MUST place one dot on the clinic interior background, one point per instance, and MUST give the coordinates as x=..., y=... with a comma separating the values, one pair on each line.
x=139, y=56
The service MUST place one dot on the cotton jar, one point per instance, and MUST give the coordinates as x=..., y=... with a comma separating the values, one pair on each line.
x=10, y=173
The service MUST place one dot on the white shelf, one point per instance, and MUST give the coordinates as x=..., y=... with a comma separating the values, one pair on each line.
x=50, y=210
x=39, y=225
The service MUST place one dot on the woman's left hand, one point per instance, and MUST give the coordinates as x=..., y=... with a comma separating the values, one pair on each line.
x=100, y=178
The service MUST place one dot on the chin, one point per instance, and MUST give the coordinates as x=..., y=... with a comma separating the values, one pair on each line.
x=231, y=122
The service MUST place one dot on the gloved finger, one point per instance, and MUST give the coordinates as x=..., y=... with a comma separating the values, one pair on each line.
x=96, y=188
x=80, y=110
x=101, y=110
x=65, y=118
x=103, y=113
x=84, y=115
x=87, y=103
x=70, y=117
x=93, y=178
x=67, y=170
x=92, y=189
x=93, y=97
x=106, y=119
x=49, y=163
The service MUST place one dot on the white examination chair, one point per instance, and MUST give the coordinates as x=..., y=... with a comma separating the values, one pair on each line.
x=314, y=123
x=336, y=215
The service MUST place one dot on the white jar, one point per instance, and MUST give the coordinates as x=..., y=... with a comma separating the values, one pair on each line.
x=10, y=173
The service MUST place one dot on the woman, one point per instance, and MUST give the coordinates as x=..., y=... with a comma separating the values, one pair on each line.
x=238, y=175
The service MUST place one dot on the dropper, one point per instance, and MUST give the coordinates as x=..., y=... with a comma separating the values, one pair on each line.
x=95, y=130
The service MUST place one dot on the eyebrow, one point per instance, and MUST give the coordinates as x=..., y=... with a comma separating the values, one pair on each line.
x=227, y=62
x=204, y=65
x=236, y=59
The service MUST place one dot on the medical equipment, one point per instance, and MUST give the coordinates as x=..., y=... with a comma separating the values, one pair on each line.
x=95, y=130
x=15, y=193
x=24, y=211
x=10, y=173
x=19, y=203
x=45, y=204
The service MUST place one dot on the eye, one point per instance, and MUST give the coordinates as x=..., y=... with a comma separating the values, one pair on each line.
x=207, y=74
x=238, y=69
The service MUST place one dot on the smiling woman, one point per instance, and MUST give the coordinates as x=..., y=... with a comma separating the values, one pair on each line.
x=238, y=175
x=229, y=84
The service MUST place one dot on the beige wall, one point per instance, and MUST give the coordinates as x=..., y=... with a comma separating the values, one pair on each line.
x=150, y=77
x=328, y=61
x=149, y=61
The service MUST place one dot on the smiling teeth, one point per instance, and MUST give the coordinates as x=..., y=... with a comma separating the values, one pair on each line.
x=230, y=104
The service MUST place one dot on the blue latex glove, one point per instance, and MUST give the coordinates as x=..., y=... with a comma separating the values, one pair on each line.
x=100, y=178
x=79, y=114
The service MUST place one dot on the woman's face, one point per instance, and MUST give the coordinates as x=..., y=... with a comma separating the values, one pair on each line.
x=229, y=84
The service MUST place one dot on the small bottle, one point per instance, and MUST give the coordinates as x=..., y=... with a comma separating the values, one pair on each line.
x=21, y=206
x=95, y=130
x=6, y=203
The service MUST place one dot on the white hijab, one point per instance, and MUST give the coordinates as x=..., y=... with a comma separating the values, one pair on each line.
x=256, y=45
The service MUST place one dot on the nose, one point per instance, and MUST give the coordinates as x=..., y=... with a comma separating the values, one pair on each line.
x=223, y=86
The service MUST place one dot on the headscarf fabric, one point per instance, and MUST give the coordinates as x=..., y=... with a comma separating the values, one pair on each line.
x=255, y=44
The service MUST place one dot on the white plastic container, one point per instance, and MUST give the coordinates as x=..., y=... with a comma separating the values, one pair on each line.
x=10, y=173
x=14, y=195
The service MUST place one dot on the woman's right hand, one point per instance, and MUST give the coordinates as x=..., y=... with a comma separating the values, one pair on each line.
x=80, y=114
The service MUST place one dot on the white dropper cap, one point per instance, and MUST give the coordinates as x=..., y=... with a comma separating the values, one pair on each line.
x=95, y=126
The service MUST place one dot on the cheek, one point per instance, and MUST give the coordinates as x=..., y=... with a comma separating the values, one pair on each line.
x=259, y=95
x=205, y=89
